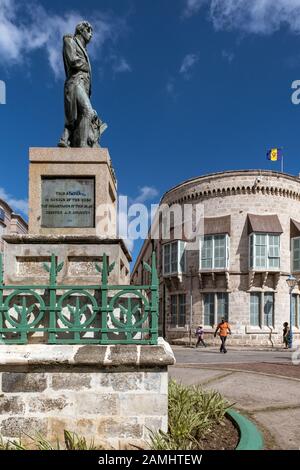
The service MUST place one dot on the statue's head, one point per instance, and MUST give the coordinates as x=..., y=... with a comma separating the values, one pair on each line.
x=85, y=30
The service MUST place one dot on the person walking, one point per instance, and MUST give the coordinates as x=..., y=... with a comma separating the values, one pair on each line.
x=224, y=328
x=200, y=335
x=286, y=335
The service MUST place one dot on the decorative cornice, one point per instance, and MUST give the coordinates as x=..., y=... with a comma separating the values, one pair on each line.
x=18, y=239
x=212, y=177
x=234, y=191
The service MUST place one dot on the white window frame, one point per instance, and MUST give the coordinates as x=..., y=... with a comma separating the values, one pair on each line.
x=215, y=300
x=252, y=260
x=292, y=256
x=177, y=297
x=296, y=311
x=227, y=252
x=261, y=306
x=181, y=252
x=256, y=295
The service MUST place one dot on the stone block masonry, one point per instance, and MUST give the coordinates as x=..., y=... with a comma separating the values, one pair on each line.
x=236, y=195
x=109, y=394
x=72, y=214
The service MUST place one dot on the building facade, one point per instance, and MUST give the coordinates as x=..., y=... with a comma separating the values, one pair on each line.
x=247, y=244
x=10, y=223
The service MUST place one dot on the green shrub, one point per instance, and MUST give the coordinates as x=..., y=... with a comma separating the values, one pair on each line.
x=11, y=445
x=192, y=411
x=71, y=442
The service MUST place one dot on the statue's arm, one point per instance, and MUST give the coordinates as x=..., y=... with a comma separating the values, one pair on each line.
x=75, y=60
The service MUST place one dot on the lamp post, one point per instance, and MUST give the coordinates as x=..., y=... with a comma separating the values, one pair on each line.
x=291, y=282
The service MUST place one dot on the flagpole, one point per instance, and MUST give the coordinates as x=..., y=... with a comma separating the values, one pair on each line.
x=282, y=163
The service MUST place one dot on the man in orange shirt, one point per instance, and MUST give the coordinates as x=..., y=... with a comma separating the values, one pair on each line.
x=224, y=328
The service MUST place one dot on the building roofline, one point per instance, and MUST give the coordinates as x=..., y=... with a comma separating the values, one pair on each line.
x=13, y=214
x=6, y=205
x=20, y=219
x=224, y=174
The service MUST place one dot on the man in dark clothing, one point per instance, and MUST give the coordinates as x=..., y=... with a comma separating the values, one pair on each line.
x=224, y=328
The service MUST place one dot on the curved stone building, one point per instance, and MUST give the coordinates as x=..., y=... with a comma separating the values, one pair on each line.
x=248, y=245
x=10, y=223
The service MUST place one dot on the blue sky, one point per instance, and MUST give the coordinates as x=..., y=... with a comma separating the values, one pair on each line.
x=187, y=87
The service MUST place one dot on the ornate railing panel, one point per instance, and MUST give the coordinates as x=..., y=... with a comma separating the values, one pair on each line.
x=64, y=314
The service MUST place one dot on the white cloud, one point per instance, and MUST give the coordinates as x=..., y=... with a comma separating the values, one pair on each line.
x=188, y=63
x=31, y=27
x=250, y=16
x=170, y=86
x=228, y=55
x=18, y=205
x=147, y=193
x=192, y=7
x=256, y=16
x=120, y=65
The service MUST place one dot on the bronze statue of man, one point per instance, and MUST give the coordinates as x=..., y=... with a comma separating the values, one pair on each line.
x=80, y=117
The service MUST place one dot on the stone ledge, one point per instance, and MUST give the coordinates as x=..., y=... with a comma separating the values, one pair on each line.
x=65, y=239
x=100, y=356
x=59, y=155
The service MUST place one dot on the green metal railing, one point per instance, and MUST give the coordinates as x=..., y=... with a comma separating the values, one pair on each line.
x=64, y=314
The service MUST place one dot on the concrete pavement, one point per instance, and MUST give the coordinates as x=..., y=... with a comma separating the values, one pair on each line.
x=263, y=385
x=234, y=355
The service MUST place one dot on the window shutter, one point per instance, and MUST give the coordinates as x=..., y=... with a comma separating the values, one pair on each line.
x=167, y=258
x=182, y=257
x=296, y=254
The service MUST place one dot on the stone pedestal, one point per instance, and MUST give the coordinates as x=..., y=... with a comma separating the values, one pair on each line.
x=101, y=375
x=72, y=191
x=72, y=214
x=110, y=394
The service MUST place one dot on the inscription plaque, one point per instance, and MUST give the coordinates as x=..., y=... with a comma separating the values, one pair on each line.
x=68, y=202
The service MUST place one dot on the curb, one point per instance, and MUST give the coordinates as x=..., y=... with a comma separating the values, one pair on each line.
x=239, y=348
x=250, y=437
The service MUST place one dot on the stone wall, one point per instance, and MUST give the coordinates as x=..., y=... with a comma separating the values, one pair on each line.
x=110, y=394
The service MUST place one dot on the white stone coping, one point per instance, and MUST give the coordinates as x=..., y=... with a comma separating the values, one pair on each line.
x=156, y=356
x=27, y=239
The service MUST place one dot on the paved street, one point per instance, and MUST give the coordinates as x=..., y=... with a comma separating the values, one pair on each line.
x=264, y=385
x=212, y=355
